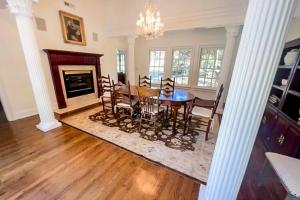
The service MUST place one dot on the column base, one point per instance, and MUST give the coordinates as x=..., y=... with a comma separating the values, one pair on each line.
x=201, y=195
x=48, y=125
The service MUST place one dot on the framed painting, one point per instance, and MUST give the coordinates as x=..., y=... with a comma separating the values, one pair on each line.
x=73, y=28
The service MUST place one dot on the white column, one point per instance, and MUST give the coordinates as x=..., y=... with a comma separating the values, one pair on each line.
x=22, y=9
x=131, y=59
x=232, y=33
x=255, y=67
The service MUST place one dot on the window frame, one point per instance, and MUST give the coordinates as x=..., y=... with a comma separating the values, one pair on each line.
x=199, y=62
x=190, y=76
x=125, y=59
x=149, y=61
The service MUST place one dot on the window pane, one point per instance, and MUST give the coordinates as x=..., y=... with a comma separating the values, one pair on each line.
x=181, y=65
x=120, y=60
x=210, y=66
x=156, y=65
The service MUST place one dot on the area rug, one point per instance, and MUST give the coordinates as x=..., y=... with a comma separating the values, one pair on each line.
x=191, y=155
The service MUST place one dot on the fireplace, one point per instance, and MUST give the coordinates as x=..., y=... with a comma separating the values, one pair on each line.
x=78, y=82
x=74, y=76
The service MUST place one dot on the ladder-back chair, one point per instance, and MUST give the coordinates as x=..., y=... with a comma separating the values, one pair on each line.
x=203, y=109
x=149, y=105
x=145, y=81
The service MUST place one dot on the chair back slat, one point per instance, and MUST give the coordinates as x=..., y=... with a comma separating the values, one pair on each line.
x=145, y=81
x=122, y=93
x=104, y=84
x=167, y=86
x=148, y=98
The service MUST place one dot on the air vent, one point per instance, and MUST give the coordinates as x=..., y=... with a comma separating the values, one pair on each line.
x=70, y=5
x=40, y=24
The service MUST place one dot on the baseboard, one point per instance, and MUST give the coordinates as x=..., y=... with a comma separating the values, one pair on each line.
x=24, y=113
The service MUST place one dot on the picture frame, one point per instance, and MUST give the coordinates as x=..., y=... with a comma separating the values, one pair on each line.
x=73, y=28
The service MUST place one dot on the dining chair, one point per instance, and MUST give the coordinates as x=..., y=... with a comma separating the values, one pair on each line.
x=204, y=110
x=106, y=93
x=167, y=87
x=149, y=105
x=123, y=100
x=145, y=81
x=287, y=170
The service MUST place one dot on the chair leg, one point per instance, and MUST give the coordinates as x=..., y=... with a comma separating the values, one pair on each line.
x=118, y=116
x=103, y=106
x=187, y=122
x=154, y=123
x=141, y=123
x=131, y=117
x=207, y=130
x=167, y=112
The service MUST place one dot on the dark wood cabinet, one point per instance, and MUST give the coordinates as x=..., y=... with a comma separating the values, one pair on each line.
x=279, y=131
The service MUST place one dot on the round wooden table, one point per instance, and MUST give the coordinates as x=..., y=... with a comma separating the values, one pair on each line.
x=179, y=98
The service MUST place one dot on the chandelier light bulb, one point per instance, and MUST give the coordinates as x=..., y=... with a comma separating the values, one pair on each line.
x=149, y=23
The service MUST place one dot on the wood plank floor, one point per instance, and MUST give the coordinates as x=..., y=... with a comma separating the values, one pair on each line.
x=69, y=164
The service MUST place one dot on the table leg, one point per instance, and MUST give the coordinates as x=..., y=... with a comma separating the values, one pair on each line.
x=175, y=113
x=184, y=112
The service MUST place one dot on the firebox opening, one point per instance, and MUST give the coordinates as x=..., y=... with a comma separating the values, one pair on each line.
x=78, y=82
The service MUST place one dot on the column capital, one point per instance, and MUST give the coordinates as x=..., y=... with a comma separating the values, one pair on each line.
x=232, y=30
x=21, y=7
x=131, y=39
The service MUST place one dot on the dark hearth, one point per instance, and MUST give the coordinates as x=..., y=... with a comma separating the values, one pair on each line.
x=78, y=82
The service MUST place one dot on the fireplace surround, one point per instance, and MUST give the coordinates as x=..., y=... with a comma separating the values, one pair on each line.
x=59, y=59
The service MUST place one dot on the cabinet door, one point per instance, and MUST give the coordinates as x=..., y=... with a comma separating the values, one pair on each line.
x=285, y=139
x=266, y=127
x=289, y=143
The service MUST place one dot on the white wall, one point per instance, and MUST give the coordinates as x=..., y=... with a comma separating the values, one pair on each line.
x=189, y=38
x=294, y=29
x=15, y=89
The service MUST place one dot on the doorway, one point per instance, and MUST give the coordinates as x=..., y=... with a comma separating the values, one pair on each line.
x=121, y=65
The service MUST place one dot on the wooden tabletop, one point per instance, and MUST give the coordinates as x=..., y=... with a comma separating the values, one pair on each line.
x=179, y=95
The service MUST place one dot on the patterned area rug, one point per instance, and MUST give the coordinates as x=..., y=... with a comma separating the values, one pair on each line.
x=189, y=154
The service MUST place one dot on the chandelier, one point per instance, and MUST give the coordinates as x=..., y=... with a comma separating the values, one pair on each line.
x=149, y=24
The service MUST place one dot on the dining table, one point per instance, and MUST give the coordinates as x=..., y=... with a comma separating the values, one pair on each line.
x=177, y=99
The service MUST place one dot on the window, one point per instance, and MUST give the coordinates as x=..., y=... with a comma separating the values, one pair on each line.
x=210, y=67
x=157, y=65
x=181, y=65
x=120, y=61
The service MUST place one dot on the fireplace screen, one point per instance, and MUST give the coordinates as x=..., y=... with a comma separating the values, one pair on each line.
x=78, y=82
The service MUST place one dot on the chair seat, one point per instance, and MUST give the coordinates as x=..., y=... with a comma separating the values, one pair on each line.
x=126, y=104
x=202, y=112
x=123, y=105
x=155, y=110
x=287, y=169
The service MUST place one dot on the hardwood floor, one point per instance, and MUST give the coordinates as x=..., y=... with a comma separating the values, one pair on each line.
x=69, y=164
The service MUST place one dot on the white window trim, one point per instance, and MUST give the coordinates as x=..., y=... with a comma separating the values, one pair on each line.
x=148, y=62
x=191, y=67
x=197, y=68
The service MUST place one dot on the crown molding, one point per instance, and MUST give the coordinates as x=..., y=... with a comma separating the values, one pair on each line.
x=212, y=18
